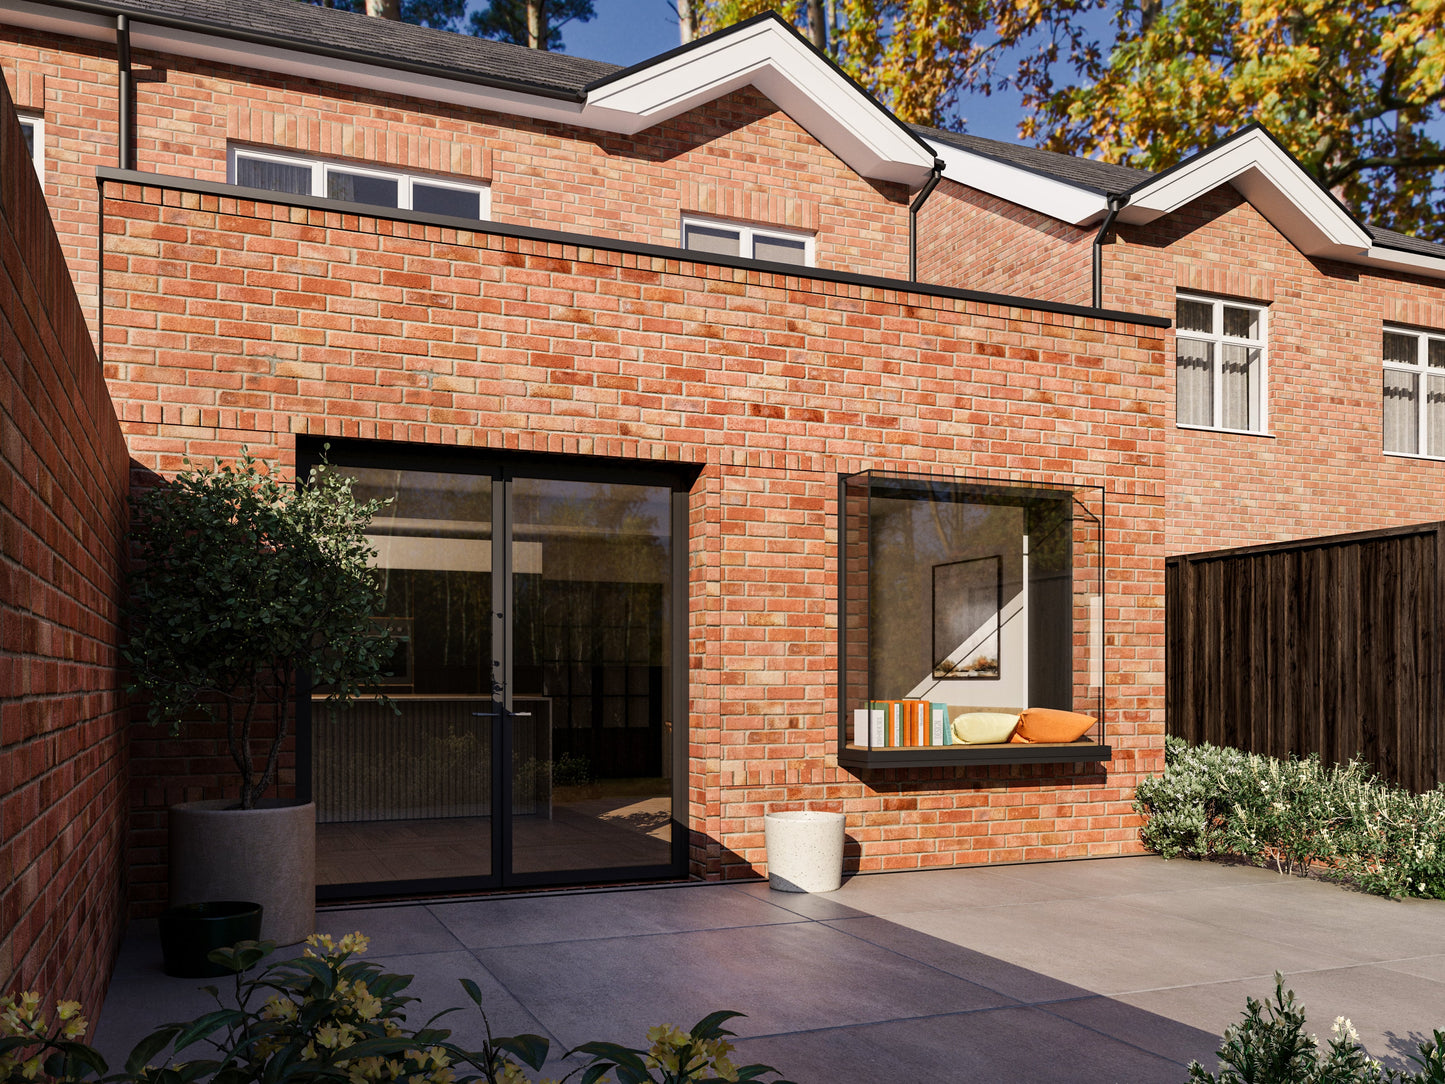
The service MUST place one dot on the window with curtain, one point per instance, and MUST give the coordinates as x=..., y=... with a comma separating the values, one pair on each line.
x=752, y=242
x=1219, y=364
x=1413, y=408
x=300, y=176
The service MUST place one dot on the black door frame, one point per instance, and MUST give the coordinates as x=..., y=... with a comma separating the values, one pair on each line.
x=504, y=467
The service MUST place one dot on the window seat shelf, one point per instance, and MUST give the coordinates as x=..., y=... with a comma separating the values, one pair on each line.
x=853, y=756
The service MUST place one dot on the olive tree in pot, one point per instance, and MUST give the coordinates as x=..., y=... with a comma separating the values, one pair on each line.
x=243, y=582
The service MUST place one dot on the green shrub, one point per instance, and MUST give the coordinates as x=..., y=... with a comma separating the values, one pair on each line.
x=1270, y=1046
x=1297, y=815
x=327, y=1018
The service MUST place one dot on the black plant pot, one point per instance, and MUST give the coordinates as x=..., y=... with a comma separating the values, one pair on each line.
x=191, y=930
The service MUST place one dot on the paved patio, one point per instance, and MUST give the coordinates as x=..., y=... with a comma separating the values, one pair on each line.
x=1110, y=970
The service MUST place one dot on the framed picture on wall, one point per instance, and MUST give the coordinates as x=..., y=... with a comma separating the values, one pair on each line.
x=967, y=617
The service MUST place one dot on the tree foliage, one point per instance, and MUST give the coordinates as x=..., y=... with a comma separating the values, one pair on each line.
x=500, y=20
x=507, y=20
x=243, y=582
x=1352, y=88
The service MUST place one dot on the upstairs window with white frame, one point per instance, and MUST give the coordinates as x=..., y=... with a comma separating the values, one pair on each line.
x=33, y=129
x=750, y=242
x=1220, y=364
x=358, y=184
x=1414, y=392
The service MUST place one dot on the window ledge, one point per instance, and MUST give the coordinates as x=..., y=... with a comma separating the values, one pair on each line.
x=852, y=756
x=1415, y=455
x=1220, y=429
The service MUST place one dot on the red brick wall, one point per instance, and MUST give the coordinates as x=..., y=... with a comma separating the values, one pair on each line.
x=975, y=241
x=739, y=157
x=321, y=323
x=63, y=479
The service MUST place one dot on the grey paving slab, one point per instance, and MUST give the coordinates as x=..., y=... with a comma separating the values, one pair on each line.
x=392, y=930
x=784, y=977
x=1310, y=915
x=945, y=889
x=581, y=916
x=1018, y=983
x=1180, y=1041
x=1116, y=947
x=142, y=997
x=1391, y=1016
x=1116, y=970
x=1422, y=967
x=1022, y=1044
x=436, y=981
x=1137, y=873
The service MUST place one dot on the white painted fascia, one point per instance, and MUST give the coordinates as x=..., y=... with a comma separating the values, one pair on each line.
x=1261, y=171
x=797, y=80
x=794, y=77
x=1047, y=195
x=1413, y=263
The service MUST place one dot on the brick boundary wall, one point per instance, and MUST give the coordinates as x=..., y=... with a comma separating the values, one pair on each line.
x=232, y=322
x=63, y=718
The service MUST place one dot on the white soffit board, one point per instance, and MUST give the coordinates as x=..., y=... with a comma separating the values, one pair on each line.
x=1415, y=263
x=769, y=57
x=793, y=76
x=1272, y=181
x=1047, y=195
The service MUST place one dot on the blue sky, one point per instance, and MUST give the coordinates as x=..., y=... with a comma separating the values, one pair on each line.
x=627, y=31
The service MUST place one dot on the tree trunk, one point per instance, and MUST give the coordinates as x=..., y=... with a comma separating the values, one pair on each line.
x=384, y=9
x=817, y=25
x=536, y=25
x=687, y=30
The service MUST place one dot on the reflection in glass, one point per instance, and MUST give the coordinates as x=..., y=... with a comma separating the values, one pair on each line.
x=408, y=796
x=592, y=587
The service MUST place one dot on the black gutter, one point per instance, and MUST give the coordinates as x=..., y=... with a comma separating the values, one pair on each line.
x=913, y=209
x=1116, y=204
x=608, y=244
x=279, y=41
x=125, y=97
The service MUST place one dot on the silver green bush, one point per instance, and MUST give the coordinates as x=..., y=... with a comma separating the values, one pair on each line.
x=1297, y=815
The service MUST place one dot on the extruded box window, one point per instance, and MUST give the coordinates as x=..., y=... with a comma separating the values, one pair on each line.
x=963, y=598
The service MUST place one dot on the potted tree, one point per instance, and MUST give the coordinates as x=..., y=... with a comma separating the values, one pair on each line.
x=244, y=583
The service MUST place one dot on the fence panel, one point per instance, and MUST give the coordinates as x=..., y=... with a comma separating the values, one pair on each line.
x=1327, y=645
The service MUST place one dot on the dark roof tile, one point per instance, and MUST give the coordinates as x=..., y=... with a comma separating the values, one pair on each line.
x=327, y=30
x=1101, y=177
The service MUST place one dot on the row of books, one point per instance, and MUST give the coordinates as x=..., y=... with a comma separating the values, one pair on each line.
x=897, y=724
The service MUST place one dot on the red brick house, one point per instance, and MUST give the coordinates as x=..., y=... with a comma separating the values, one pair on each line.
x=689, y=467
x=1327, y=419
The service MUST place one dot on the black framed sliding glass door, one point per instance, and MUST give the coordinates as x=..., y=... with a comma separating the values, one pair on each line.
x=537, y=728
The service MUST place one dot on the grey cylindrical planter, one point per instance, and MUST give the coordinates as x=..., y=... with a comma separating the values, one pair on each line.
x=805, y=851
x=266, y=854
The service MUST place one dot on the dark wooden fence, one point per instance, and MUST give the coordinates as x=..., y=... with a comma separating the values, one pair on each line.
x=1328, y=645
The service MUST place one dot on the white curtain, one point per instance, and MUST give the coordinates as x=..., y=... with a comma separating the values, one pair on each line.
x=1402, y=415
x=1240, y=387
x=1194, y=383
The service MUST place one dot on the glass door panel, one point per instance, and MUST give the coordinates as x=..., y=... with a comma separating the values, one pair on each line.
x=408, y=795
x=591, y=661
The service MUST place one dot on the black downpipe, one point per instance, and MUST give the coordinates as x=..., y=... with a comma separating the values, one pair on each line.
x=125, y=104
x=1116, y=204
x=913, y=209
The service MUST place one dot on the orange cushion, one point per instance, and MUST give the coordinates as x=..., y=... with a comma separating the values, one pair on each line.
x=1051, y=725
